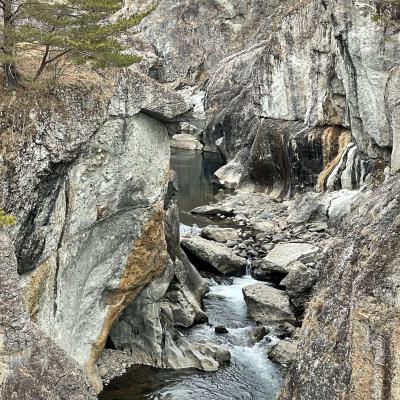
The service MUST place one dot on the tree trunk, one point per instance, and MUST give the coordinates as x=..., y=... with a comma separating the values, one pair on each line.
x=10, y=70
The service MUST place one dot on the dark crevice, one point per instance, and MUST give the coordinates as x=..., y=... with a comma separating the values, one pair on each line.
x=59, y=245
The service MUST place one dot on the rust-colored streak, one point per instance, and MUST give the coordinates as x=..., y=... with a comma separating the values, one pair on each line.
x=146, y=261
x=334, y=144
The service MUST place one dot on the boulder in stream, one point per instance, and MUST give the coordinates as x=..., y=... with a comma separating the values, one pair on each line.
x=214, y=209
x=268, y=305
x=186, y=141
x=221, y=235
x=284, y=352
x=214, y=254
x=220, y=329
x=281, y=257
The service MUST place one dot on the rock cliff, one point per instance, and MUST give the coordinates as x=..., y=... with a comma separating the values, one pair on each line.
x=349, y=344
x=301, y=94
x=87, y=176
x=286, y=82
x=31, y=365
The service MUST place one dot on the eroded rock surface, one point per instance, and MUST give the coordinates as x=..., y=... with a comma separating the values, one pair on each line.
x=353, y=318
x=90, y=189
x=32, y=366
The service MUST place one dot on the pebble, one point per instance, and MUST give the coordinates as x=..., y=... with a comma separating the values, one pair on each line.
x=220, y=329
x=268, y=247
x=252, y=253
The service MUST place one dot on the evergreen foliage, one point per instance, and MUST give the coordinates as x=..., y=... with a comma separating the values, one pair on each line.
x=82, y=30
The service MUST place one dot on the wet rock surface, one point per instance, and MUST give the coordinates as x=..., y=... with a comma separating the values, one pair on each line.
x=293, y=94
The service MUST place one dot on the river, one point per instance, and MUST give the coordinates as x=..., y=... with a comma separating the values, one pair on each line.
x=250, y=375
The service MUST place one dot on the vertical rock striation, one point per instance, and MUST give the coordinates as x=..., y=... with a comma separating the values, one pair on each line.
x=88, y=190
x=349, y=344
x=32, y=367
x=320, y=65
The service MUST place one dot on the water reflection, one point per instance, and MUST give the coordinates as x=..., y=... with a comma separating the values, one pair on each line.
x=195, y=171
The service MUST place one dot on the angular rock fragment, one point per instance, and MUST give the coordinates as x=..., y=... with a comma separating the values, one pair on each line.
x=268, y=305
x=284, y=352
x=218, y=234
x=280, y=258
x=214, y=254
x=186, y=141
x=298, y=282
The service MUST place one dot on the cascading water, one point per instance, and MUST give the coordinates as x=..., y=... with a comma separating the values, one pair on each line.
x=250, y=374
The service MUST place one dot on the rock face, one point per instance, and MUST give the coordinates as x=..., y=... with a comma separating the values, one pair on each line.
x=268, y=305
x=353, y=319
x=292, y=94
x=289, y=85
x=32, y=367
x=147, y=329
x=215, y=255
x=90, y=192
x=313, y=40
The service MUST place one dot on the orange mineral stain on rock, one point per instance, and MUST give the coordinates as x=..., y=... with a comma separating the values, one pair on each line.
x=334, y=144
x=147, y=261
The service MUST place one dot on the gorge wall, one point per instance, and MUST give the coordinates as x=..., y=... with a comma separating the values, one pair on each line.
x=282, y=74
x=86, y=174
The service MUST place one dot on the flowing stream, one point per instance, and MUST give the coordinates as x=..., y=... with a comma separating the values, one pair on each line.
x=250, y=374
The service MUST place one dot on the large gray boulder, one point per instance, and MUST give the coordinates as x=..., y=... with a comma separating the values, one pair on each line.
x=88, y=190
x=281, y=257
x=214, y=254
x=170, y=301
x=298, y=282
x=268, y=305
x=221, y=235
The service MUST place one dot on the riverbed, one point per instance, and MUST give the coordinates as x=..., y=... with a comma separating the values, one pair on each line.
x=250, y=374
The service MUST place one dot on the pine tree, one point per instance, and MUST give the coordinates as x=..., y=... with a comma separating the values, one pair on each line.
x=82, y=30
